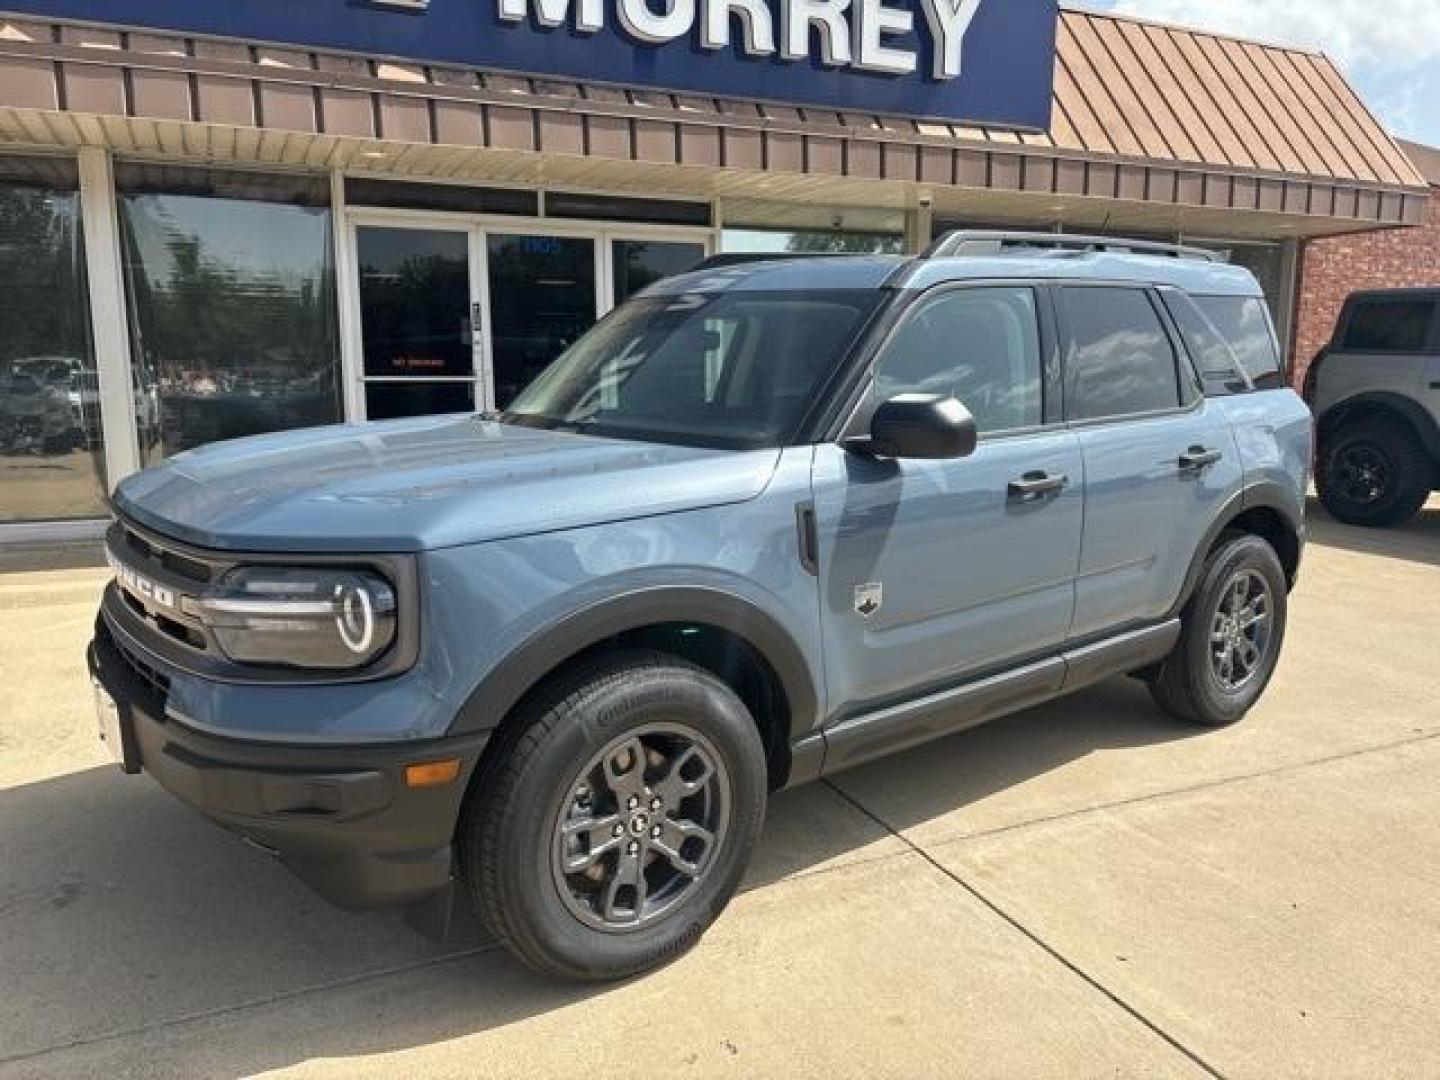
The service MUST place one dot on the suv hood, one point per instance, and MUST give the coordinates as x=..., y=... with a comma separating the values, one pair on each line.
x=411, y=485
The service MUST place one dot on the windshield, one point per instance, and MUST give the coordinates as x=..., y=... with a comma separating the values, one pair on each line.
x=732, y=369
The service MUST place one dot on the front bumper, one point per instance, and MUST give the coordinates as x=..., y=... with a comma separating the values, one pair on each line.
x=341, y=817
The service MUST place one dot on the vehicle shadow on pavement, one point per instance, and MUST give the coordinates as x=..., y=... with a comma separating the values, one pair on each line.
x=124, y=914
x=1417, y=541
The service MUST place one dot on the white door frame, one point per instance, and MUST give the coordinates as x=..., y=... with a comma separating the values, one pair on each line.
x=479, y=227
x=352, y=334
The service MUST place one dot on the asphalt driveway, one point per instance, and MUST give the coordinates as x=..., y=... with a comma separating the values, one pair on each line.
x=1083, y=890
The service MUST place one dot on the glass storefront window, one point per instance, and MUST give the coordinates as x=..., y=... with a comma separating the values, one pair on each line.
x=232, y=307
x=1265, y=261
x=638, y=264
x=51, y=447
x=811, y=241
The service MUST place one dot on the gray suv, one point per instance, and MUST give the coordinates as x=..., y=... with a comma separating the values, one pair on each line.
x=1375, y=391
x=764, y=523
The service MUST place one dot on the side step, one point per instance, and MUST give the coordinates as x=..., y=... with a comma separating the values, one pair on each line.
x=875, y=734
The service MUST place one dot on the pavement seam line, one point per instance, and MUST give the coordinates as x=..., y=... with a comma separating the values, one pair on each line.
x=1035, y=939
x=245, y=1006
x=1190, y=789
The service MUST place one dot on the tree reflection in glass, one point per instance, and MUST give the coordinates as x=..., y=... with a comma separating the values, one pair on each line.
x=232, y=314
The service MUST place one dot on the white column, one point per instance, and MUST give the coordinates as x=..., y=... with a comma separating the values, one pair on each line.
x=109, y=326
x=347, y=299
x=918, y=225
x=1286, y=304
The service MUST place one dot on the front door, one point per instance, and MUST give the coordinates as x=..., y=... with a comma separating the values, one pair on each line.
x=936, y=572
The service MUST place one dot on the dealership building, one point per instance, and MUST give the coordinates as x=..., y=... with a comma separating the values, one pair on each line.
x=218, y=219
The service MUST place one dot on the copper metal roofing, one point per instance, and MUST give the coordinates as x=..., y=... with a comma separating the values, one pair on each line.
x=1142, y=89
x=1425, y=158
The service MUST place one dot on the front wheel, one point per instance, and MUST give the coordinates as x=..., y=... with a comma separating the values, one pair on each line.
x=1232, y=631
x=617, y=818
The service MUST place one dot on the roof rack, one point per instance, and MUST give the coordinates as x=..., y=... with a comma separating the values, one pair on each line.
x=971, y=242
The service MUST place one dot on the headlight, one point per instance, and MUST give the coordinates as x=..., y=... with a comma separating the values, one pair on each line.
x=326, y=619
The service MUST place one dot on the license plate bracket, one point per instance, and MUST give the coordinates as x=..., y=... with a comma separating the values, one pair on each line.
x=116, y=731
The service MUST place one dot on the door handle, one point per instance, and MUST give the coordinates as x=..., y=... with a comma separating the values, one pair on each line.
x=1197, y=458
x=1034, y=486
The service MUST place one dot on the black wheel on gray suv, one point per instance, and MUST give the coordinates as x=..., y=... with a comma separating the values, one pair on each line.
x=1374, y=472
x=616, y=817
x=1232, y=630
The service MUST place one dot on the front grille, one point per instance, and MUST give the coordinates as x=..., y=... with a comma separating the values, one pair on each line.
x=171, y=628
x=156, y=552
x=157, y=564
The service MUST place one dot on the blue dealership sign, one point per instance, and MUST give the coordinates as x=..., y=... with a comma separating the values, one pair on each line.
x=987, y=62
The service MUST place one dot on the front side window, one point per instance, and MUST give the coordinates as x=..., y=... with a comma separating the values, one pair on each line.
x=981, y=346
x=1243, y=322
x=1389, y=326
x=734, y=370
x=1120, y=361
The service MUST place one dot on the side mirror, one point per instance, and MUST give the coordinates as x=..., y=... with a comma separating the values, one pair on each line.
x=927, y=427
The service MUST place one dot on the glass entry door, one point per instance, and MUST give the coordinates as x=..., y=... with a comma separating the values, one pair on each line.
x=542, y=298
x=417, y=321
x=460, y=315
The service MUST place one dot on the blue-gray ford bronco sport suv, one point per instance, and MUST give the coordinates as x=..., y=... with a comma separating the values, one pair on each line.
x=765, y=522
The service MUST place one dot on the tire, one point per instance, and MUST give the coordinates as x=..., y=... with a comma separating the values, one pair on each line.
x=1191, y=684
x=1374, y=473
x=526, y=815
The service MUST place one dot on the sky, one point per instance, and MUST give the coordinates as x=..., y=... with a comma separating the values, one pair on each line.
x=1390, y=49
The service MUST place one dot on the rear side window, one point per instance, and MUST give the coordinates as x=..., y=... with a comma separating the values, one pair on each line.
x=1120, y=361
x=1219, y=367
x=1389, y=326
x=1244, y=324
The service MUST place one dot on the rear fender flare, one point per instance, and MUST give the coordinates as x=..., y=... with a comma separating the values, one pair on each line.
x=1264, y=494
x=1425, y=425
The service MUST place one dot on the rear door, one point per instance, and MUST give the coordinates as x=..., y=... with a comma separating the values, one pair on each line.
x=1160, y=461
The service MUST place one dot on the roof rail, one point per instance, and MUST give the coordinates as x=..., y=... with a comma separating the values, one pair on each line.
x=971, y=242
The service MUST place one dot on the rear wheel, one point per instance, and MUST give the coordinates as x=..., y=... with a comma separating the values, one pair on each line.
x=1232, y=631
x=1375, y=473
x=618, y=818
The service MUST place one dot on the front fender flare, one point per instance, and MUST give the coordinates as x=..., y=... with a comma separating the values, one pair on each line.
x=509, y=681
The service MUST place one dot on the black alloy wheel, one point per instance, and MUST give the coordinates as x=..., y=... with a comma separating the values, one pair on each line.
x=614, y=815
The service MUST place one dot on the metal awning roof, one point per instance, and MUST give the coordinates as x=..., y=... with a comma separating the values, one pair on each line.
x=1153, y=127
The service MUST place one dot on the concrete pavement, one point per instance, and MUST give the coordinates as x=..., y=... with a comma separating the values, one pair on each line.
x=1084, y=890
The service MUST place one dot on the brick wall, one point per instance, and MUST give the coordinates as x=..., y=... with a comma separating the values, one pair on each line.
x=1330, y=270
